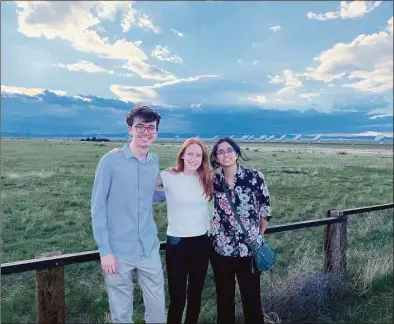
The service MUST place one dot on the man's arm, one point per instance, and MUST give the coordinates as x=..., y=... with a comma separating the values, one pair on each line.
x=101, y=186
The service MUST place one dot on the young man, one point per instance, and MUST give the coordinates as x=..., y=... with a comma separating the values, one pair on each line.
x=123, y=224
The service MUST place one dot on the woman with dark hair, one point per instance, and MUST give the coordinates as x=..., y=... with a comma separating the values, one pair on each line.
x=232, y=257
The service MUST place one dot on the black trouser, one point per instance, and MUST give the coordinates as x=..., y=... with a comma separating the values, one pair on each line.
x=187, y=263
x=225, y=270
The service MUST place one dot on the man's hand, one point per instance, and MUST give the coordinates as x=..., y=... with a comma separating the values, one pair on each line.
x=170, y=170
x=109, y=264
x=115, y=150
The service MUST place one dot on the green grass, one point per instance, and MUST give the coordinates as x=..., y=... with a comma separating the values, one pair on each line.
x=45, y=195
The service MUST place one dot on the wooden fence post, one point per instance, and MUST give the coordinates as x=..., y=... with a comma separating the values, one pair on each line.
x=50, y=294
x=335, y=244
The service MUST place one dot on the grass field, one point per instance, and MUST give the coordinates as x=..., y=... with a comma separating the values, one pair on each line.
x=45, y=196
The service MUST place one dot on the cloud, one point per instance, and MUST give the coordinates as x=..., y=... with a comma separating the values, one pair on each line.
x=368, y=58
x=163, y=53
x=255, y=62
x=10, y=91
x=196, y=105
x=149, y=94
x=379, y=80
x=83, y=98
x=142, y=94
x=258, y=99
x=240, y=61
x=389, y=26
x=147, y=71
x=85, y=66
x=291, y=81
x=309, y=95
x=276, y=79
x=74, y=22
x=178, y=33
x=381, y=116
x=130, y=16
x=275, y=28
x=347, y=10
x=145, y=23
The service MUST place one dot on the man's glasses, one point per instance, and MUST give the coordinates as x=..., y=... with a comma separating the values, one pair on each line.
x=141, y=128
x=223, y=152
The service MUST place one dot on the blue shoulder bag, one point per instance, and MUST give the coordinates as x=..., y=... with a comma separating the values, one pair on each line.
x=264, y=255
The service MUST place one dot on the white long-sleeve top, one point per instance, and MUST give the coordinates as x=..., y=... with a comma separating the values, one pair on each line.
x=187, y=206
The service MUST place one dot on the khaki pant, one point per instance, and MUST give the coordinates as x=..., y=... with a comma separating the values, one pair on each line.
x=120, y=289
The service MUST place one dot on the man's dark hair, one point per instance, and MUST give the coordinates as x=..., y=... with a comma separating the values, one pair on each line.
x=146, y=113
x=233, y=144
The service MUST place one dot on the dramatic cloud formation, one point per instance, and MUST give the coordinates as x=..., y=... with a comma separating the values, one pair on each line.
x=65, y=54
x=75, y=22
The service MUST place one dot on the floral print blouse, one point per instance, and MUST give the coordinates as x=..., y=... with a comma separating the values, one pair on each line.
x=250, y=197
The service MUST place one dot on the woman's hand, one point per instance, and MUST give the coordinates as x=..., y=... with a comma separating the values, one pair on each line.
x=115, y=150
x=264, y=225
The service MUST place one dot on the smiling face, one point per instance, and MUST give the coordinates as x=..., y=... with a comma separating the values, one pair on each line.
x=144, y=133
x=192, y=157
x=226, y=155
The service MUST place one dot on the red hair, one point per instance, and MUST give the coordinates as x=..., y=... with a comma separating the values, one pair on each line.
x=204, y=171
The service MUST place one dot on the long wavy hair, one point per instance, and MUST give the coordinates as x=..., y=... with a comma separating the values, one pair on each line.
x=204, y=170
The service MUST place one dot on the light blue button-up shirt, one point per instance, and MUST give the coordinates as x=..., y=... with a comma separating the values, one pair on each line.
x=121, y=205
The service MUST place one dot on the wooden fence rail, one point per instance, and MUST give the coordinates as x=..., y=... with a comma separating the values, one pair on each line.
x=50, y=267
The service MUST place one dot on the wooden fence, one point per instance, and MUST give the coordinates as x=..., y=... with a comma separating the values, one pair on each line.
x=49, y=267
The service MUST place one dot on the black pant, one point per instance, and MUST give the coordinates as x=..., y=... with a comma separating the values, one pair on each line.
x=187, y=263
x=225, y=270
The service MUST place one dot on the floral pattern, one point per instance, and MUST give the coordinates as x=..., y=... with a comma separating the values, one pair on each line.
x=250, y=196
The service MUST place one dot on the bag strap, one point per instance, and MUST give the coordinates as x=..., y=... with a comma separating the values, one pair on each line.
x=246, y=234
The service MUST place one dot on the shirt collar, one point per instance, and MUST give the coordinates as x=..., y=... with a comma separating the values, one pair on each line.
x=129, y=154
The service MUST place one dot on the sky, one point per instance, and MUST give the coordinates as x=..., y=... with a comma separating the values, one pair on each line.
x=207, y=66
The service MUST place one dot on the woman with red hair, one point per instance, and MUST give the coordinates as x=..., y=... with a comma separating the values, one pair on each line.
x=188, y=188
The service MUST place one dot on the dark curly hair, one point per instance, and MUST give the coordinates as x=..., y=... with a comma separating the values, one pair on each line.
x=146, y=113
